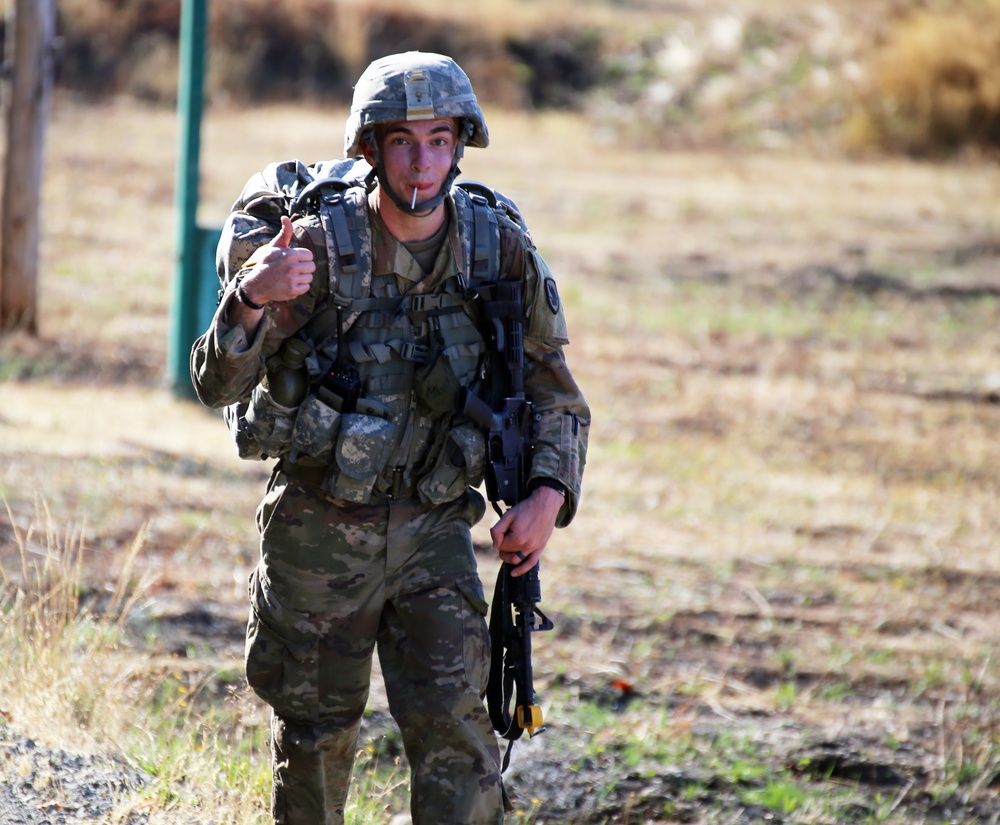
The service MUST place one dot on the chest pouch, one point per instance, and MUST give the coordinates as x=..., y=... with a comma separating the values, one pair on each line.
x=459, y=464
x=436, y=385
x=364, y=446
x=269, y=423
x=455, y=353
x=315, y=429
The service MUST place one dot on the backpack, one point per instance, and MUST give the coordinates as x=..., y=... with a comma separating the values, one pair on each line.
x=336, y=190
x=336, y=193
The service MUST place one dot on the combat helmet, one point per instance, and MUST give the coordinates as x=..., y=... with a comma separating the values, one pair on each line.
x=415, y=86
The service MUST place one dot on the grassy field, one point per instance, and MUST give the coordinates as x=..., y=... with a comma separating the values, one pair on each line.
x=780, y=599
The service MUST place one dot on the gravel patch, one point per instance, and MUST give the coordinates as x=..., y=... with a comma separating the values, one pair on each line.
x=49, y=786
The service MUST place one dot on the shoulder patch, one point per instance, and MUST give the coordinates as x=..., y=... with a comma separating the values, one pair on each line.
x=552, y=295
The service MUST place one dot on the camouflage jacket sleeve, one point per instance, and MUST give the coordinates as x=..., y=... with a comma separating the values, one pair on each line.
x=226, y=364
x=563, y=416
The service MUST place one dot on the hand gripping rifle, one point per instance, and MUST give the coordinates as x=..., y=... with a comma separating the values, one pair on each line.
x=508, y=421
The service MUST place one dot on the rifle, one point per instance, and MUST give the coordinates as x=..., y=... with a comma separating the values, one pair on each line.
x=508, y=423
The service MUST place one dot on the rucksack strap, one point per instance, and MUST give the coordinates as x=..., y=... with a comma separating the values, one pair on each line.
x=431, y=302
x=477, y=205
x=382, y=353
x=485, y=241
x=342, y=208
x=342, y=213
x=339, y=213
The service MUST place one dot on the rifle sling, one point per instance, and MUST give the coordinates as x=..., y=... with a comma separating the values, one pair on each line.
x=499, y=687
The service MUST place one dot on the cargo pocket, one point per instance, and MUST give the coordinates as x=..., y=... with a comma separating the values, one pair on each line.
x=363, y=448
x=269, y=423
x=269, y=504
x=459, y=465
x=282, y=657
x=315, y=428
x=476, y=641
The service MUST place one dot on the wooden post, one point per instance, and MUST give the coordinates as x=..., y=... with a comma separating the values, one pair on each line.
x=28, y=96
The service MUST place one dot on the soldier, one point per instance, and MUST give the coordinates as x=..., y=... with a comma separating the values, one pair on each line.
x=339, y=346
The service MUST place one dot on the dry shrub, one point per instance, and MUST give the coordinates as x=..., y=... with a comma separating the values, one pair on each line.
x=267, y=49
x=257, y=47
x=934, y=86
x=272, y=49
x=114, y=46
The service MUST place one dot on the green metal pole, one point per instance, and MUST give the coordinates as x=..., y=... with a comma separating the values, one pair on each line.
x=183, y=331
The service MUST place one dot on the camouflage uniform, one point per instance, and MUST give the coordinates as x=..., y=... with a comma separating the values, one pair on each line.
x=365, y=532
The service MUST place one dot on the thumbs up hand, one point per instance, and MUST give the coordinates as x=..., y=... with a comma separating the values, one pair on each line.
x=283, y=239
x=278, y=271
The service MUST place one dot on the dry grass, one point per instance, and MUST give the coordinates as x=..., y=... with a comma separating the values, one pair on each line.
x=935, y=85
x=59, y=651
x=790, y=508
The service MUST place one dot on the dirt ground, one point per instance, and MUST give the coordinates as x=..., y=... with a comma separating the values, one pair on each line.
x=787, y=551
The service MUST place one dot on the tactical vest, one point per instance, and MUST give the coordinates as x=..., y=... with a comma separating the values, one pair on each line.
x=412, y=352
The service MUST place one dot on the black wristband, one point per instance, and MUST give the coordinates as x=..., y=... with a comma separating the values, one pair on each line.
x=243, y=298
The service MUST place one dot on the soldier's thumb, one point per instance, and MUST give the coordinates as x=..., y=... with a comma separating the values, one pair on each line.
x=284, y=238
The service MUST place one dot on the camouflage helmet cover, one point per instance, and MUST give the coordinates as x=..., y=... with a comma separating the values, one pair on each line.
x=412, y=86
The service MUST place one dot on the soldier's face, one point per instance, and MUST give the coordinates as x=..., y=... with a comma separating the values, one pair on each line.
x=417, y=154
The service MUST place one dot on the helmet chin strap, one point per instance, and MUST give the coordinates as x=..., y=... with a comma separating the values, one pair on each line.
x=409, y=205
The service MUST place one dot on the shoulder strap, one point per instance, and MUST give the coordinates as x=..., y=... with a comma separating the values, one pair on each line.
x=475, y=204
x=341, y=204
x=347, y=235
x=480, y=209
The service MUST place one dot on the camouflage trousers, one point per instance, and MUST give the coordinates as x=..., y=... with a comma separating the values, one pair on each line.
x=334, y=583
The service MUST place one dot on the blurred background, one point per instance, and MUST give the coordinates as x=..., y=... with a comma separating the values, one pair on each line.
x=888, y=75
x=776, y=230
